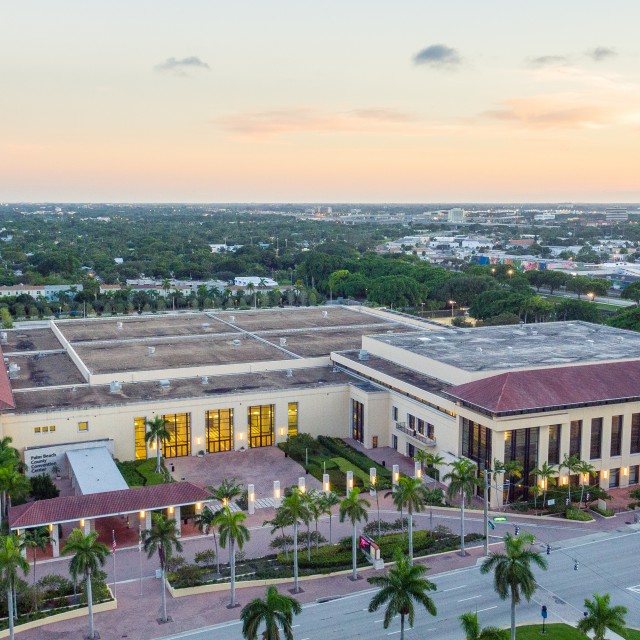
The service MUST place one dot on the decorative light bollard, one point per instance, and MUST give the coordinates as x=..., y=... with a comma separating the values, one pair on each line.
x=349, y=481
x=326, y=485
x=251, y=498
x=395, y=474
x=277, y=496
x=373, y=479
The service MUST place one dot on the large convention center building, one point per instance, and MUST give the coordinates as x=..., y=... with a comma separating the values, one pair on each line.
x=232, y=380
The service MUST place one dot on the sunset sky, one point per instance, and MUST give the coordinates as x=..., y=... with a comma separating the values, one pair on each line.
x=320, y=100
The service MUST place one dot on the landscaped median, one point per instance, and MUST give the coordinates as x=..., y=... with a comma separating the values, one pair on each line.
x=560, y=631
x=59, y=615
x=329, y=560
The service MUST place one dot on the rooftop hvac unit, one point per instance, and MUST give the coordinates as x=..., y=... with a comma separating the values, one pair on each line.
x=119, y=325
x=151, y=351
x=14, y=371
x=206, y=325
x=237, y=342
x=232, y=318
x=289, y=373
x=165, y=384
x=3, y=337
x=363, y=354
x=205, y=380
x=283, y=342
x=325, y=314
x=115, y=387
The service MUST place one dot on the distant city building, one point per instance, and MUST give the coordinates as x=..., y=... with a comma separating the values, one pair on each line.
x=455, y=215
x=616, y=214
x=245, y=281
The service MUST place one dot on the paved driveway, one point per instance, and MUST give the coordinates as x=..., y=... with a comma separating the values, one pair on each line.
x=258, y=466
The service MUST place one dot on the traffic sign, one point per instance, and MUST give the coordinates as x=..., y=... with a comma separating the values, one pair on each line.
x=543, y=612
x=491, y=525
x=499, y=518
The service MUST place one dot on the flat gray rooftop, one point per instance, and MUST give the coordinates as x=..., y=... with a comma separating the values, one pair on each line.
x=515, y=347
x=94, y=471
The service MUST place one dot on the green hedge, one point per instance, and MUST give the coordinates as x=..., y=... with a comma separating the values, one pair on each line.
x=580, y=516
x=343, y=450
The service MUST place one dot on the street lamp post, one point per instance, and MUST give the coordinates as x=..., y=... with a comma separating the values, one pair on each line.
x=510, y=273
x=453, y=304
x=591, y=296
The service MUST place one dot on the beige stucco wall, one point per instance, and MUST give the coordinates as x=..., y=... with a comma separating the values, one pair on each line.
x=321, y=411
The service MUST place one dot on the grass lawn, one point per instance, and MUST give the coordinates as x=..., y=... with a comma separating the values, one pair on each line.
x=631, y=634
x=600, y=305
x=556, y=631
x=140, y=473
x=344, y=466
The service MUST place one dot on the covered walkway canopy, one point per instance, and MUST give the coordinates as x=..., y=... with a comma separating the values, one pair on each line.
x=93, y=470
x=86, y=508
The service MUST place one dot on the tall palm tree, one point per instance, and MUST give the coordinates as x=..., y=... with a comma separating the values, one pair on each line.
x=12, y=485
x=584, y=470
x=328, y=501
x=600, y=616
x=401, y=588
x=36, y=539
x=11, y=561
x=512, y=571
x=206, y=522
x=545, y=473
x=382, y=484
x=158, y=432
x=275, y=611
x=512, y=469
x=232, y=531
x=88, y=556
x=473, y=631
x=570, y=463
x=295, y=509
x=162, y=539
x=462, y=481
x=354, y=508
x=280, y=521
x=434, y=462
x=410, y=494
x=316, y=509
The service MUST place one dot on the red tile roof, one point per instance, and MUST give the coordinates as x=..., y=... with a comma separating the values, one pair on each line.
x=97, y=505
x=6, y=394
x=545, y=388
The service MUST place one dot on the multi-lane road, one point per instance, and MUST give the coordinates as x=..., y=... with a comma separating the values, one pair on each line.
x=607, y=562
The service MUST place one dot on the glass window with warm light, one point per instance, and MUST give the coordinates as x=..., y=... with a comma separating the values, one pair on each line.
x=140, y=429
x=293, y=419
x=83, y=426
x=261, y=420
x=219, y=425
x=179, y=444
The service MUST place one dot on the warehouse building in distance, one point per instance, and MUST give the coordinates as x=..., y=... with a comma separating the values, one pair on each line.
x=232, y=380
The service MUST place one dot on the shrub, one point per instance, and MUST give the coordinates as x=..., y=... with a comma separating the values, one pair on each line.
x=189, y=575
x=99, y=589
x=343, y=450
x=175, y=562
x=635, y=494
x=576, y=514
x=54, y=586
x=43, y=488
x=206, y=558
x=243, y=500
x=607, y=513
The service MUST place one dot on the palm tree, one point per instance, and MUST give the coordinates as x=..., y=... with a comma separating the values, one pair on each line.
x=410, y=493
x=275, y=611
x=401, y=587
x=570, y=463
x=12, y=484
x=584, y=470
x=158, y=432
x=473, y=631
x=206, y=522
x=36, y=539
x=512, y=571
x=88, y=556
x=280, y=521
x=434, y=461
x=162, y=539
x=381, y=484
x=227, y=491
x=11, y=561
x=354, y=508
x=512, y=469
x=316, y=509
x=600, y=616
x=462, y=481
x=234, y=532
x=294, y=508
x=545, y=473
x=328, y=501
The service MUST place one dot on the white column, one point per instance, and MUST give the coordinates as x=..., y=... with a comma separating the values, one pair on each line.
x=176, y=517
x=85, y=526
x=251, y=498
x=55, y=540
x=395, y=475
x=349, y=481
x=145, y=519
x=277, y=495
x=23, y=548
x=302, y=484
x=326, y=485
x=417, y=470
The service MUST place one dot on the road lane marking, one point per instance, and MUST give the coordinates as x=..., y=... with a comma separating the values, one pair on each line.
x=471, y=598
x=487, y=609
x=462, y=586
